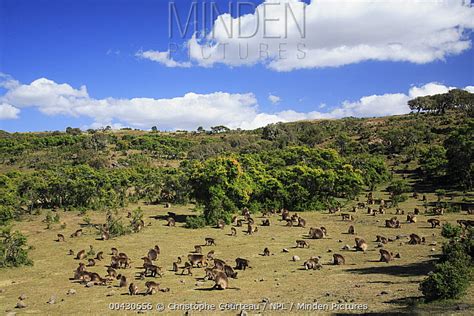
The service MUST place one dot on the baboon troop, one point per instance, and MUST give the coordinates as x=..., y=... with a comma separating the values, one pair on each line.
x=338, y=259
x=434, y=222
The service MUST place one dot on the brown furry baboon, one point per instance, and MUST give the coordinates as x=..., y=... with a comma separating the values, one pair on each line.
x=178, y=261
x=360, y=245
x=324, y=230
x=316, y=233
x=123, y=280
x=411, y=218
x=370, y=211
x=210, y=255
x=221, y=280
x=242, y=264
x=152, y=254
x=90, y=262
x=97, y=279
x=175, y=267
x=210, y=241
x=312, y=264
x=132, y=289
x=434, y=222
x=210, y=273
x=70, y=252
x=381, y=239
x=301, y=244
x=351, y=230
x=171, y=222
x=197, y=249
x=230, y=272
x=99, y=256
x=266, y=222
x=233, y=231
x=113, y=251
x=77, y=233
x=240, y=223
x=152, y=287
x=147, y=260
x=250, y=220
x=197, y=259
x=187, y=267
x=220, y=224
x=416, y=211
x=399, y=212
x=301, y=222
x=465, y=224
x=219, y=264
x=105, y=235
x=111, y=272
x=347, y=217
x=60, y=238
x=81, y=255
x=354, y=209
x=289, y=222
x=266, y=252
x=250, y=230
x=385, y=256
x=392, y=223
x=338, y=259
x=152, y=270
x=284, y=215
x=234, y=220
x=415, y=239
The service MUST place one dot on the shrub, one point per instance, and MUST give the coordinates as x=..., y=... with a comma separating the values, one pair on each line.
x=195, y=222
x=450, y=231
x=13, y=250
x=115, y=227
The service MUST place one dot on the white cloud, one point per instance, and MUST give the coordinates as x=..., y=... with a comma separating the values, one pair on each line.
x=188, y=111
x=338, y=32
x=274, y=99
x=8, y=112
x=163, y=58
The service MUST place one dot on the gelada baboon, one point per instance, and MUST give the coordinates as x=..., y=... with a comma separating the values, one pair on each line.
x=221, y=281
x=301, y=244
x=187, y=267
x=316, y=233
x=434, y=222
x=152, y=254
x=338, y=259
x=210, y=255
x=77, y=233
x=266, y=222
x=171, y=222
x=301, y=222
x=347, y=217
x=123, y=280
x=266, y=252
x=351, y=230
x=152, y=287
x=411, y=218
x=113, y=251
x=60, y=238
x=90, y=262
x=105, y=235
x=312, y=264
x=385, y=256
x=197, y=249
x=81, y=255
x=230, y=272
x=360, y=245
x=240, y=223
x=175, y=267
x=242, y=264
x=210, y=241
x=219, y=264
x=220, y=224
x=133, y=289
x=70, y=252
x=111, y=272
x=381, y=239
x=99, y=256
x=197, y=259
x=416, y=240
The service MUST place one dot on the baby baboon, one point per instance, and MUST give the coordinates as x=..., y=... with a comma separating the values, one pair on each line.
x=316, y=233
x=187, y=267
x=416, y=211
x=111, y=272
x=70, y=252
x=123, y=280
x=434, y=222
x=266, y=252
x=210, y=255
x=242, y=264
x=210, y=241
x=81, y=255
x=221, y=280
x=381, y=239
x=175, y=267
x=197, y=249
x=220, y=224
x=157, y=249
x=415, y=239
x=230, y=272
x=60, y=238
x=90, y=262
x=233, y=231
x=266, y=222
x=323, y=229
x=312, y=264
x=178, y=261
x=197, y=259
x=360, y=245
x=152, y=254
x=171, y=222
x=385, y=256
x=133, y=289
x=301, y=244
x=301, y=222
x=411, y=218
x=77, y=233
x=99, y=256
x=338, y=259
x=255, y=230
x=152, y=287
x=114, y=251
x=351, y=230
x=105, y=235
x=219, y=264
x=250, y=229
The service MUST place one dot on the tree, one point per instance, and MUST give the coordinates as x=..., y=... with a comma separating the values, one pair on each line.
x=397, y=188
x=154, y=129
x=13, y=251
x=433, y=161
x=460, y=155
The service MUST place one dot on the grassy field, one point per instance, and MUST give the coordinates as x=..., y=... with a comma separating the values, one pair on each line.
x=363, y=280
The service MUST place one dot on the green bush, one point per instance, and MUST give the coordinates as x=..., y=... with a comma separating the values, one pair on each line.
x=195, y=222
x=450, y=231
x=13, y=249
x=115, y=226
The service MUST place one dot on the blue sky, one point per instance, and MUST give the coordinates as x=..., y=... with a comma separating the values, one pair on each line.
x=97, y=44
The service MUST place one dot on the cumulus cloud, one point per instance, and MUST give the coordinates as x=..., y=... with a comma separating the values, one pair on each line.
x=237, y=110
x=274, y=99
x=289, y=34
x=163, y=58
